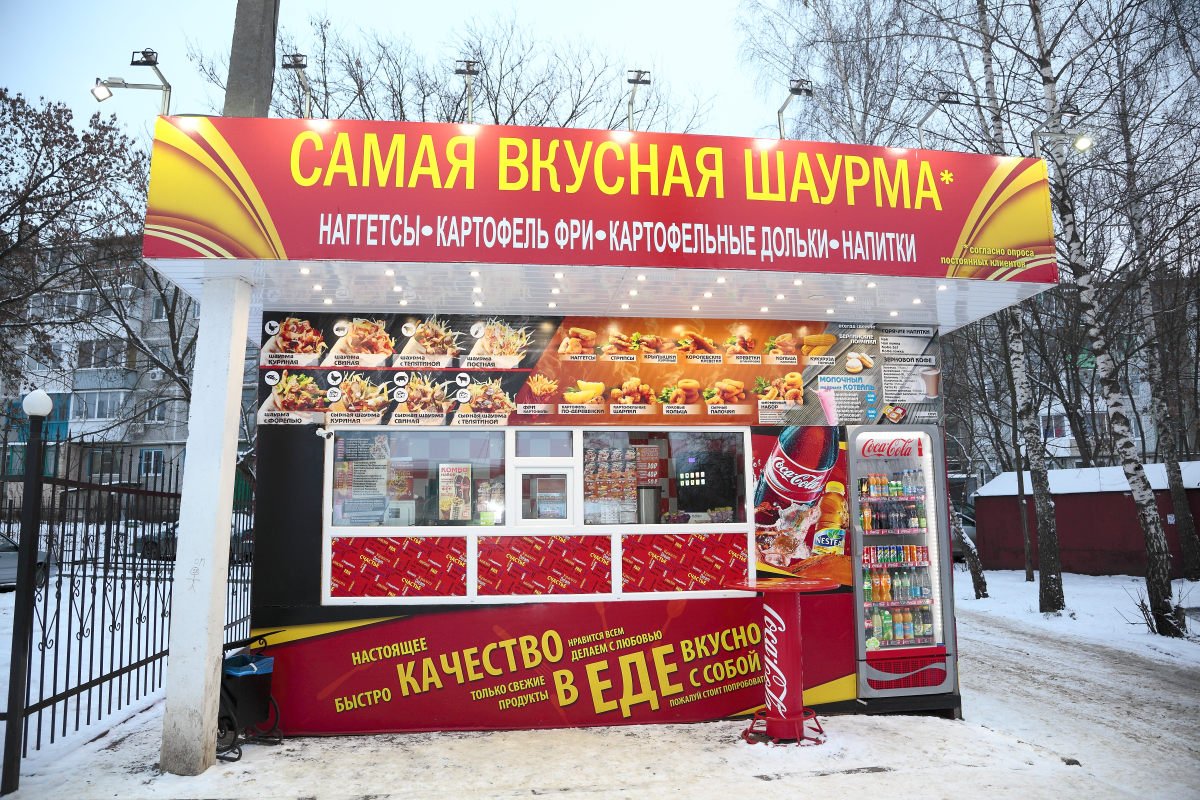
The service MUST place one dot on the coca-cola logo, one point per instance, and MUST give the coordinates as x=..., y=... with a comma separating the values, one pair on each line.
x=776, y=685
x=885, y=448
x=779, y=468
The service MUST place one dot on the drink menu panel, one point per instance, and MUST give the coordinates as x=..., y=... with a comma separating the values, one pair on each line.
x=426, y=369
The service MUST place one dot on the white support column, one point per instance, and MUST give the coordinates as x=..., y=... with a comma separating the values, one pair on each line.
x=202, y=554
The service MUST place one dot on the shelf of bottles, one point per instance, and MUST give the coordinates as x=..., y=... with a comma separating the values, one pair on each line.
x=893, y=505
x=898, y=589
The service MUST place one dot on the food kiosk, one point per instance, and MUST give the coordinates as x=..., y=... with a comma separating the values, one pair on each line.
x=531, y=401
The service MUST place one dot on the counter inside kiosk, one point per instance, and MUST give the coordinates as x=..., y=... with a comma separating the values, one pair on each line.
x=570, y=386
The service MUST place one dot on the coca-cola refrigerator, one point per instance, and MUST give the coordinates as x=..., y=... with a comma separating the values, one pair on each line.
x=902, y=560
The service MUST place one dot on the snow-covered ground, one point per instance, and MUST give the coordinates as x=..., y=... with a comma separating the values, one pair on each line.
x=1083, y=705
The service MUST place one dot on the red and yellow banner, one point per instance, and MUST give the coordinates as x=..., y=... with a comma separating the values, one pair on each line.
x=277, y=189
x=549, y=666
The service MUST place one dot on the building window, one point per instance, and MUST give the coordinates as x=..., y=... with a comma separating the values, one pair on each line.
x=1097, y=423
x=151, y=463
x=97, y=405
x=158, y=310
x=156, y=411
x=101, y=355
x=101, y=463
x=1054, y=426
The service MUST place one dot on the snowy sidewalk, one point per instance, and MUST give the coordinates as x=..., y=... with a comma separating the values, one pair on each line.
x=1038, y=695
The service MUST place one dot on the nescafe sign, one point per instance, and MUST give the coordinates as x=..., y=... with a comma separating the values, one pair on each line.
x=891, y=448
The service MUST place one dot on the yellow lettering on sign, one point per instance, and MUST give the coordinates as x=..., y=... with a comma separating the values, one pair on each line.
x=318, y=145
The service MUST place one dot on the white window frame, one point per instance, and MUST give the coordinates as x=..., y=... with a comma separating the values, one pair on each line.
x=514, y=527
x=77, y=395
x=162, y=462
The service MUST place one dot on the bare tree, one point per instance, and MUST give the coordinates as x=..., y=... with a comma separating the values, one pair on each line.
x=523, y=80
x=58, y=184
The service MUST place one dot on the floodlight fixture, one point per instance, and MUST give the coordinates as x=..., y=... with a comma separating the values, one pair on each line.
x=299, y=62
x=797, y=87
x=635, y=78
x=140, y=58
x=101, y=91
x=468, y=69
x=1081, y=141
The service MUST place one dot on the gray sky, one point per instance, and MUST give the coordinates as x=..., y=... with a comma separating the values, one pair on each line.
x=57, y=48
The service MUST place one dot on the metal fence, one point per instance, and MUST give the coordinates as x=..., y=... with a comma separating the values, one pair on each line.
x=105, y=567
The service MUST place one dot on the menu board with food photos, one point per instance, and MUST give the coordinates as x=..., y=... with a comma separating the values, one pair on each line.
x=430, y=369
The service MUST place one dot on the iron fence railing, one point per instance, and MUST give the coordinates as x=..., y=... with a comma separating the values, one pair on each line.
x=103, y=597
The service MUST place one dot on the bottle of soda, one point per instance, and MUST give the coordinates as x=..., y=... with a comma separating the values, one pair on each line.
x=885, y=581
x=921, y=514
x=912, y=515
x=926, y=621
x=867, y=585
x=885, y=625
x=876, y=622
x=908, y=626
x=796, y=471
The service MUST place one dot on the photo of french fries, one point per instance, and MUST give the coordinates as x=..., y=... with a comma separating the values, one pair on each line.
x=685, y=392
x=632, y=392
x=577, y=341
x=541, y=387
x=817, y=344
x=790, y=388
x=725, y=392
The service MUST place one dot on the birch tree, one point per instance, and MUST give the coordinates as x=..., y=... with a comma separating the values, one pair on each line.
x=1158, y=582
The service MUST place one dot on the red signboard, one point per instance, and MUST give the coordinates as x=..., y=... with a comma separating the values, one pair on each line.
x=537, y=666
x=276, y=189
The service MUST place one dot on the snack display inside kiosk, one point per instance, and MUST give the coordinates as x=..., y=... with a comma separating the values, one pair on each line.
x=575, y=392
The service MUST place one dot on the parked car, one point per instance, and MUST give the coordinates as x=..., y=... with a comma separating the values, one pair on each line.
x=161, y=542
x=157, y=540
x=967, y=514
x=8, y=564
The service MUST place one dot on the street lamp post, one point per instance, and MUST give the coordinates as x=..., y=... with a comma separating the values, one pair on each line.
x=37, y=405
x=143, y=58
x=637, y=77
x=799, y=87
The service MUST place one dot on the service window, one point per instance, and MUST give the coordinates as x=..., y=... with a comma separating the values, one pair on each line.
x=418, y=478
x=546, y=495
x=674, y=478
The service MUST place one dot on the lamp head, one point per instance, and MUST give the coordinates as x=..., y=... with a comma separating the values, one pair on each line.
x=948, y=96
x=1083, y=142
x=295, y=61
x=801, y=86
x=144, y=58
x=37, y=404
x=100, y=91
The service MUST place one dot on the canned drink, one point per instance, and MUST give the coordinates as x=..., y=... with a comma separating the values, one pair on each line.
x=911, y=555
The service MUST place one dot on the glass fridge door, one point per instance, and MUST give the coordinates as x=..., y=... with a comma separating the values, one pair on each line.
x=897, y=482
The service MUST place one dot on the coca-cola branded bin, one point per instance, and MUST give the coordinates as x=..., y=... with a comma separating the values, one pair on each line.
x=902, y=561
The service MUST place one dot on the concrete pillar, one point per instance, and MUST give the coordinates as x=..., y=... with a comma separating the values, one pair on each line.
x=202, y=554
x=252, y=59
